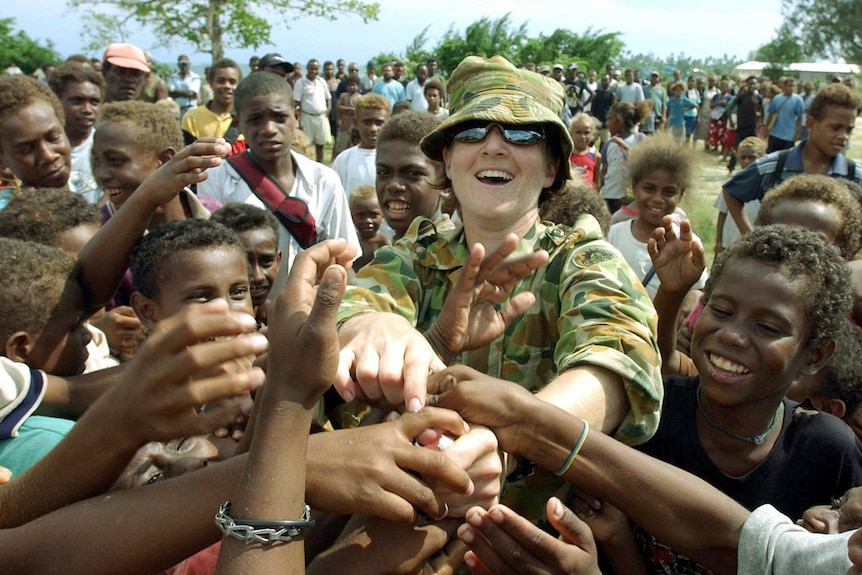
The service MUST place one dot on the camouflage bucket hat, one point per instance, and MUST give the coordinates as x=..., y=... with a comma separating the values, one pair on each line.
x=494, y=90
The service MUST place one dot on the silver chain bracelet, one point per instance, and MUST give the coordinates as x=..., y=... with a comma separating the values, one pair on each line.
x=264, y=532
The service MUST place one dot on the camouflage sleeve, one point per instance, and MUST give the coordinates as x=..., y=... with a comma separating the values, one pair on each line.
x=388, y=284
x=607, y=320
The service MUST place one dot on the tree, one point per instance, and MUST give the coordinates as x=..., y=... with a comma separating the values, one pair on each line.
x=210, y=25
x=413, y=55
x=785, y=48
x=830, y=28
x=27, y=53
x=592, y=49
x=485, y=38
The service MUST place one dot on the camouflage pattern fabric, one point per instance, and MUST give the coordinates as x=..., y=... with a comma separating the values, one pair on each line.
x=494, y=90
x=590, y=310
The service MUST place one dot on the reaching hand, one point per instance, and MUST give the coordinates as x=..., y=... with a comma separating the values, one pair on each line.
x=470, y=318
x=186, y=167
x=485, y=400
x=678, y=260
x=158, y=396
x=475, y=452
x=302, y=321
x=384, y=359
x=502, y=542
x=844, y=514
x=378, y=467
x=122, y=328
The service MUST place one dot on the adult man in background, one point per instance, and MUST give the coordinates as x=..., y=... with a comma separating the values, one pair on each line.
x=184, y=85
x=125, y=68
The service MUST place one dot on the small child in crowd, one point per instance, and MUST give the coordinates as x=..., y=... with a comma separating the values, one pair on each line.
x=80, y=90
x=188, y=262
x=346, y=113
x=585, y=157
x=726, y=231
x=837, y=388
x=66, y=220
x=367, y=217
x=623, y=119
x=660, y=171
x=355, y=166
x=132, y=140
x=434, y=96
x=677, y=106
x=258, y=231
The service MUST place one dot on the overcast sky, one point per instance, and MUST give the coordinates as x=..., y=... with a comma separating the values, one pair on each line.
x=698, y=28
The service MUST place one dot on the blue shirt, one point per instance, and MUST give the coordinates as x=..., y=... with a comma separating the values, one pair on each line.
x=676, y=109
x=785, y=123
x=393, y=90
x=759, y=177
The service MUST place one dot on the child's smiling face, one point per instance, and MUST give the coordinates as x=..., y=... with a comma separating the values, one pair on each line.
x=657, y=194
x=751, y=340
x=120, y=162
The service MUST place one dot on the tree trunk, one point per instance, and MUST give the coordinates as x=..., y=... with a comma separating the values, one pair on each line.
x=214, y=29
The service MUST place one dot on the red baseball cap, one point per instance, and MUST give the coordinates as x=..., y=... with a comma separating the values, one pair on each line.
x=126, y=56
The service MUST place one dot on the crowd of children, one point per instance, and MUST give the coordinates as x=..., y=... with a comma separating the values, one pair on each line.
x=185, y=300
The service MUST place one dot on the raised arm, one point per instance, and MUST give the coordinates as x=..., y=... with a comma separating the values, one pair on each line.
x=679, y=262
x=102, y=262
x=272, y=487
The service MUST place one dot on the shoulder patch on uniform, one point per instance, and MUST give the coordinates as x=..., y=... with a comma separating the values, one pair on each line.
x=591, y=256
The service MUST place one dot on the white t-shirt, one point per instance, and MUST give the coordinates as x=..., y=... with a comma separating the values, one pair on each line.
x=81, y=180
x=636, y=254
x=356, y=167
x=317, y=185
x=312, y=96
x=416, y=94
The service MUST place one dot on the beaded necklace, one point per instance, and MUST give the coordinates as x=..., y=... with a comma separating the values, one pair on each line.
x=756, y=439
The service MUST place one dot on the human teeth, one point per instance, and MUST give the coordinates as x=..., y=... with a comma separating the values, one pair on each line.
x=113, y=191
x=496, y=174
x=398, y=206
x=726, y=364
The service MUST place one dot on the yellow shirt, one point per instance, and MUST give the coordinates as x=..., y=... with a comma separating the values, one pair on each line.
x=201, y=122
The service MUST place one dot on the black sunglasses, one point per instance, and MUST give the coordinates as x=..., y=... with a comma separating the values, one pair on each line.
x=518, y=135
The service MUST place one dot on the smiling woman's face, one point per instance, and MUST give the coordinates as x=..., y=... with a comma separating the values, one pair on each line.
x=497, y=182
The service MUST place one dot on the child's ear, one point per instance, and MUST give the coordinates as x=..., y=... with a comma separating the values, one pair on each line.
x=146, y=310
x=18, y=346
x=832, y=406
x=818, y=355
x=166, y=154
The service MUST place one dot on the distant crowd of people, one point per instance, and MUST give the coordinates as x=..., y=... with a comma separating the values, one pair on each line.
x=483, y=337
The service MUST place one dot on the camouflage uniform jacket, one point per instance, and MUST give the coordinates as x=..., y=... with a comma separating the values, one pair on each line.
x=590, y=310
